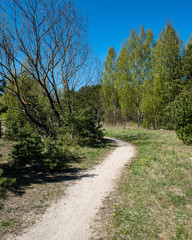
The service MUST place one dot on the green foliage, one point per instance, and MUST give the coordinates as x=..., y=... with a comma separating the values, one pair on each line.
x=182, y=112
x=109, y=89
x=87, y=127
x=147, y=76
x=166, y=66
x=5, y=183
x=80, y=124
x=55, y=156
x=2, y=86
x=108, y=84
x=46, y=154
x=84, y=116
x=133, y=69
x=187, y=63
x=14, y=120
x=59, y=152
x=29, y=147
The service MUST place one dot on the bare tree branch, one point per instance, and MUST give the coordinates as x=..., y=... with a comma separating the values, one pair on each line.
x=46, y=40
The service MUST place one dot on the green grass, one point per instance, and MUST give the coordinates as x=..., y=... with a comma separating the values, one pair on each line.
x=8, y=222
x=154, y=197
x=92, y=155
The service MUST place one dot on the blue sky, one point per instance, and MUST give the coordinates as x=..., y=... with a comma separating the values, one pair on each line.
x=112, y=21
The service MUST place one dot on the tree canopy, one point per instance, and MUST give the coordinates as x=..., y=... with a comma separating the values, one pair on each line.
x=150, y=78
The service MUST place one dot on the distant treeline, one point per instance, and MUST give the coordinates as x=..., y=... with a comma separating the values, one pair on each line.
x=150, y=81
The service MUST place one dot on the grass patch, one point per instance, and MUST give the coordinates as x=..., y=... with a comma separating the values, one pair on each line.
x=35, y=191
x=154, y=197
x=92, y=155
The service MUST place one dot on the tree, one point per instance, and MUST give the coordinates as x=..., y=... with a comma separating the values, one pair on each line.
x=166, y=67
x=182, y=106
x=182, y=113
x=2, y=89
x=187, y=63
x=86, y=114
x=134, y=68
x=47, y=42
x=108, y=84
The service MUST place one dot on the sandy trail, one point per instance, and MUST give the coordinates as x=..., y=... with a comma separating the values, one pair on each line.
x=70, y=218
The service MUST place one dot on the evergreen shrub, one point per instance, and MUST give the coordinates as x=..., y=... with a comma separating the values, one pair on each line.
x=182, y=113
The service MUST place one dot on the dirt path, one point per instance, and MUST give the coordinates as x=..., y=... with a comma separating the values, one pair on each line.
x=71, y=216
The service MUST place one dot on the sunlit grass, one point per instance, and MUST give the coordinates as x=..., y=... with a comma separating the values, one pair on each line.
x=92, y=155
x=154, y=197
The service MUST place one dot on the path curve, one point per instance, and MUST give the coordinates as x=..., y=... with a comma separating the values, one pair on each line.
x=71, y=217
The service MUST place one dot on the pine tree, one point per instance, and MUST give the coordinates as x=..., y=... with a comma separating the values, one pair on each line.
x=187, y=63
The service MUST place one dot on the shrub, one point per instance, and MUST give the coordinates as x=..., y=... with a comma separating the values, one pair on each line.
x=46, y=154
x=182, y=113
x=29, y=147
x=59, y=152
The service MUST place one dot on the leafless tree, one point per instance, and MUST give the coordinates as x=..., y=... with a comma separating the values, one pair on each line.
x=46, y=40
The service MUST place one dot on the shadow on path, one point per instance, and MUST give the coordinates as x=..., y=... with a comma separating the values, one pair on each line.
x=26, y=176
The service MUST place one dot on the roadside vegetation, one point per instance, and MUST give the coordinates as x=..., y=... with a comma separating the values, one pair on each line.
x=33, y=191
x=153, y=199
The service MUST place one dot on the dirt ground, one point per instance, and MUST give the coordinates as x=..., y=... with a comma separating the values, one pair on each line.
x=71, y=217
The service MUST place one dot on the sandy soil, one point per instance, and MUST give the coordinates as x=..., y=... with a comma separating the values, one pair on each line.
x=70, y=218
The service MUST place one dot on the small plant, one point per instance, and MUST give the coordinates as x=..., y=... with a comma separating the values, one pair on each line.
x=8, y=222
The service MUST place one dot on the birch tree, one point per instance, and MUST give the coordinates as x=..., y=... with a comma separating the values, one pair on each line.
x=134, y=67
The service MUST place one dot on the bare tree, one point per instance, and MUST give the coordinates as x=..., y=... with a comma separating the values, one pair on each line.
x=47, y=41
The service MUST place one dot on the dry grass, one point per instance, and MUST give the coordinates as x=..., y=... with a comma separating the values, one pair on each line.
x=5, y=147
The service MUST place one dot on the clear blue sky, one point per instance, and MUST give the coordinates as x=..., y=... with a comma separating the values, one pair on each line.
x=112, y=21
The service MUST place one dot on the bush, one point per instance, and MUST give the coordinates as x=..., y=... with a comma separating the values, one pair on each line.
x=182, y=113
x=29, y=149
x=57, y=154
x=44, y=154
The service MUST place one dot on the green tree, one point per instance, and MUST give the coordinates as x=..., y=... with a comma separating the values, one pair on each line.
x=187, y=63
x=109, y=85
x=86, y=113
x=166, y=66
x=134, y=68
x=182, y=113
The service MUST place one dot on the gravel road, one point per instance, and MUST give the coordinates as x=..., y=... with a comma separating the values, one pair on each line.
x=70, y=218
